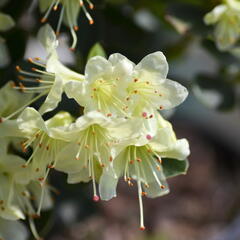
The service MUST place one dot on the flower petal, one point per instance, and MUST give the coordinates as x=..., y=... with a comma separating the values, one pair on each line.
x=97, y=67
x=173, y=94
x=12, y=230
x=30, y=120
x=153, y=65
x=10, y=128
x=213, y=16
x=66, y=161
x=180, y=150
x=77, y=177
x=76, y=90
x=122, y=66
x=54, y=97
x=108, y=184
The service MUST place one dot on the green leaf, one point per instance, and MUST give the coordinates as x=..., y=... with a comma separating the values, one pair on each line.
x=174, y=167
x=6, y=22
x=96, y=50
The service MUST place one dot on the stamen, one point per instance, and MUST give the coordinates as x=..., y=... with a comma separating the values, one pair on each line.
x=60, y=21
x=142, y=227
x=74, y=36
x=36, y=63
x=33, y=229
x=45, y=17
x=55, y=8
x=86, y=13
x=90, y=4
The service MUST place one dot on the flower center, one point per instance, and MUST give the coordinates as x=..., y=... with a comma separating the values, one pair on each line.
x=104, y=94
x=141, y=164
x=94, y=152
x=148, y=91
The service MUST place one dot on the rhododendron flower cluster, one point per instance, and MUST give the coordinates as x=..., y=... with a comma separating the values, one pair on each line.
x=121, y=133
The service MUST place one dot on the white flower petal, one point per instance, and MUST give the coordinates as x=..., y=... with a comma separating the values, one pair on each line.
x=153, y=65
x=77, y=177
x=10, y=230
x=108, y=184
x=173, y=94
x=61, y=71
x=97, y=67
x=54, y=97
x=76, y=90
x=213, y=16
x=10, y=128
x=122, y=66
x=30, y=120
x=180, y=150
x=66, y=160
x=154, y=190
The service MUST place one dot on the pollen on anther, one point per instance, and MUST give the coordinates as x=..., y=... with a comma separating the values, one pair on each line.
x=142, y=228
x=96, y=198
x=161, y=107
x=30, y=60
x=162, y=187
x=76, y=28
x=91, y=22
x=50, y=166
x=149, y=137
x=110, y=159
x=139, y=159
x=144, y=114
x=144, y=194
x=43, y=20
x=18, y=68
x=22, y=87
x=91, y=6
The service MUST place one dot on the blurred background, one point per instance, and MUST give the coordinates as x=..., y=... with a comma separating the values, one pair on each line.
x=204, y=204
